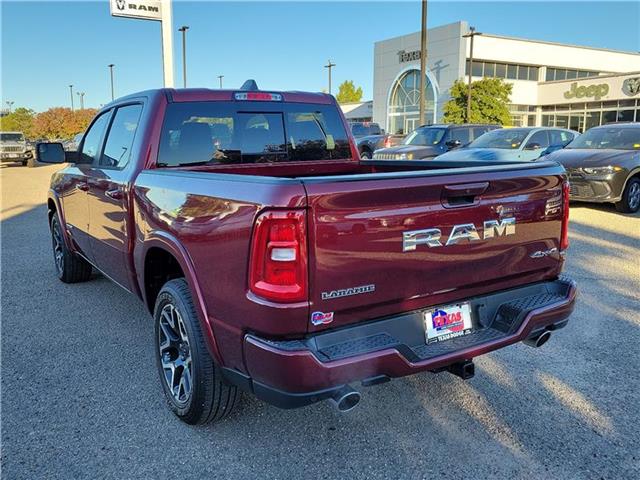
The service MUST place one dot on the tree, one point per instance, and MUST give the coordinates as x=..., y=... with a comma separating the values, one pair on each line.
x=61, y=122
x=490, y=98
x=348, y=93
x=20, y=120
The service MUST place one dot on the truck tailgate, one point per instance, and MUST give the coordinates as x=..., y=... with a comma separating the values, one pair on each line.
x=368, y=261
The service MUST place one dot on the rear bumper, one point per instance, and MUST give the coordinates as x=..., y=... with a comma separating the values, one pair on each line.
x=295, y=373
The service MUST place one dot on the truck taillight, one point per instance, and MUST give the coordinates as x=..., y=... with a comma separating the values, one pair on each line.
x=278, y=262
x=387, y=141
x=564, y=236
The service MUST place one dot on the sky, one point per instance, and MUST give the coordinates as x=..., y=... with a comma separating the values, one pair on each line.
x=282, y=45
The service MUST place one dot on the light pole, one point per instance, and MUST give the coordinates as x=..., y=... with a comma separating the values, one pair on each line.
x=10, y=104
x=220, y=77
x=71, y=91
x=472, y=33
x=329, y=66
x=81, y=95
x=184, y=29
x=423, y=62
x=111, y=65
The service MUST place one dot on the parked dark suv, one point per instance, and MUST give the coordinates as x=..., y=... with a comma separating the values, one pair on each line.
x=429, y=141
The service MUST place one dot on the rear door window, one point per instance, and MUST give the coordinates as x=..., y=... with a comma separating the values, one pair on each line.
x=540, y=137
x=117, y=148
x=461, y=135
x=200, y=133
x=477, y=131
x=560, y=137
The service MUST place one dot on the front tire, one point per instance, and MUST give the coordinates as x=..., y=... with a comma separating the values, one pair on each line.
x=191, y=381
x=70, y=267
x=630, y=202
x=366, y=155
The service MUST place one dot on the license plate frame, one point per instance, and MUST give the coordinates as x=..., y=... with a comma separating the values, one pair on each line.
x=447, y=322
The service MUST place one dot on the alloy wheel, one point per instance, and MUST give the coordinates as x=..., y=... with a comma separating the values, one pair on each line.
x=634, y=196
x=58, y=252
x=175, y=354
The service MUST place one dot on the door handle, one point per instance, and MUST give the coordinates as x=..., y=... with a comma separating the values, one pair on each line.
x=465, y=190
x=463, y=195
x=115, y=194
x=83, y=187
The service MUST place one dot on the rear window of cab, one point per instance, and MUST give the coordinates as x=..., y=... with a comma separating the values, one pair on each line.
x=203, y=133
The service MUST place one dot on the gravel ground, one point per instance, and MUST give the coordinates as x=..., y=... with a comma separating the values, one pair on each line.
x=81, y=397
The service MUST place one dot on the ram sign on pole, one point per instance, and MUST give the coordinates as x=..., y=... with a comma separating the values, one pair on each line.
x=159, y=10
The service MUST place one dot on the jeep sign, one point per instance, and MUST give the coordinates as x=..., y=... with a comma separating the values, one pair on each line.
x=146, y=9
x=592, y=91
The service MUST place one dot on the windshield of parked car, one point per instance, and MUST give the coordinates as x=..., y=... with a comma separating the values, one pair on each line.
x=505, y=138
x=425, y=136
x=11, y=137
x=364, y=129
x=608, y=137
x=201, y=133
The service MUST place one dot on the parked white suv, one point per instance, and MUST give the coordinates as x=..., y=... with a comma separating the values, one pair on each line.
x=13, y=147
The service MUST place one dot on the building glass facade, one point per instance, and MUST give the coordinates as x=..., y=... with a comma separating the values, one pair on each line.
x=404, y=103
x=583, y=116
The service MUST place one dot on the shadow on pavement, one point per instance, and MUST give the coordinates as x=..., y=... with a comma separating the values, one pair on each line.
x=81, y=395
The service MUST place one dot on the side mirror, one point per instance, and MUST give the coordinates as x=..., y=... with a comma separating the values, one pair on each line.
x=532, y=146
x=50, y=153
x=453, y=144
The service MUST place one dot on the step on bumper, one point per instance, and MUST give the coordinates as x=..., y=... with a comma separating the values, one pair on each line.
x=294, y=373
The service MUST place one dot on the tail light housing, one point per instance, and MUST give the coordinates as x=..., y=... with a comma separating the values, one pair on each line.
x=564, y=236
x=387, y=141
x=278, y=260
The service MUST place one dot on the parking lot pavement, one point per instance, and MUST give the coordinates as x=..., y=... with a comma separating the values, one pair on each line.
x=81, y=398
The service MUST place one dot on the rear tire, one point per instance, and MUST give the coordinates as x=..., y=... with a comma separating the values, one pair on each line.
x=192, y=383
x=630, y=202
x=70, y=267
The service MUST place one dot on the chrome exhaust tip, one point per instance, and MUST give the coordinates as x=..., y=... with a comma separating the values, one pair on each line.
x=538, y=340
x=345, y=399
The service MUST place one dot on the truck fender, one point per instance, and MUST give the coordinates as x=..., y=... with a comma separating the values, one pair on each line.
x=172, y=245
x=53, y=196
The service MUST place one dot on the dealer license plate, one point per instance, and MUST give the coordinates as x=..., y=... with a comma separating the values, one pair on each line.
x=445, y=323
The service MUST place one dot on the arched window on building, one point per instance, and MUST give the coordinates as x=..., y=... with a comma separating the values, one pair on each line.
x=404, y=103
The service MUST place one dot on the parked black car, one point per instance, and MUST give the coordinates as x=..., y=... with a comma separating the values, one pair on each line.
x=429, y=141
x=370, y=137
x=604, y=165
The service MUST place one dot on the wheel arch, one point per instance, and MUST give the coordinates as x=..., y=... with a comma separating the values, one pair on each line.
x=54, y=207
x=164, y=248
x=635, y=173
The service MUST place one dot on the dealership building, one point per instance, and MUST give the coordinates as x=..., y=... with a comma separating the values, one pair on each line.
x=554, y=84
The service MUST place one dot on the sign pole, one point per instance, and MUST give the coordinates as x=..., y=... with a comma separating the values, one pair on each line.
x=167, y=43
x=157, y=10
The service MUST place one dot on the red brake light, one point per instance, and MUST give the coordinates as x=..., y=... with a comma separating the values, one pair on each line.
x=259, y=96
x=564, y=237
x=278, y=263
x=387, y=141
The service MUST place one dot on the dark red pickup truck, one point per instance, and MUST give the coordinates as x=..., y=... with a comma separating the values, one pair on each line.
x=274, y=260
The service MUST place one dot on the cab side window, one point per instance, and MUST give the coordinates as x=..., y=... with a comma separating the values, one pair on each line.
x=117, y=148
x=541, y=138
x=93, y=139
